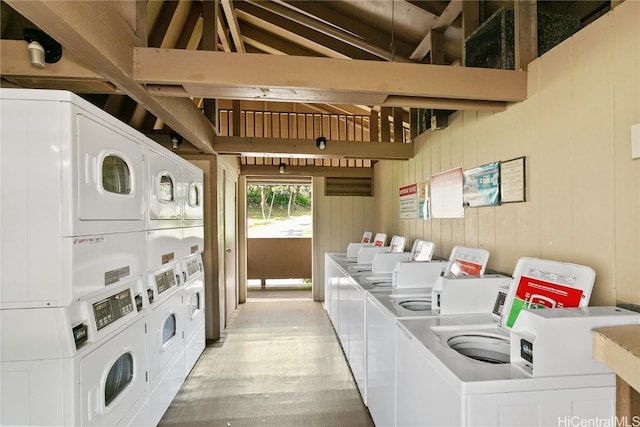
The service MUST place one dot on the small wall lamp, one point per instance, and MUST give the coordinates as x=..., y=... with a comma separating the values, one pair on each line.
x=321, y=142
x=176, y=140
x=282, y=167
x=42, y=48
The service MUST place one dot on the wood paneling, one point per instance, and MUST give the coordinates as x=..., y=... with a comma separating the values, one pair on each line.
x=583, y=188
x=337, y=221
x=278, y=258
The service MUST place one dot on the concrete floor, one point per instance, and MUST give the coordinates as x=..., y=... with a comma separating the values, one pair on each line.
x=280, y=364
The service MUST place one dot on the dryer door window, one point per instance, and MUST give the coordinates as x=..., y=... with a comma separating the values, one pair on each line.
x=169, y=330
x=195, y=304
x=119, y=377
x=166, y=191
x=116, y=175
x=194, y=195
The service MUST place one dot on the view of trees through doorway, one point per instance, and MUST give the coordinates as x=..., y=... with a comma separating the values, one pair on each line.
x=279, y=232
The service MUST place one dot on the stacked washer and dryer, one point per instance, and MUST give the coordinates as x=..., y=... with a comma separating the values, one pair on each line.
x=78, y=293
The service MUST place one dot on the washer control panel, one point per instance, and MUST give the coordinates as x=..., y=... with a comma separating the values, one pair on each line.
x=165, y=281
x=110, y=309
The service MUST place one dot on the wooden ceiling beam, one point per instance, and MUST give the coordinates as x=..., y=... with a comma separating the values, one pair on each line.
x=306, y=148
x=318, y=79
x=15, y=62
x=255, y=172
x=96, y=32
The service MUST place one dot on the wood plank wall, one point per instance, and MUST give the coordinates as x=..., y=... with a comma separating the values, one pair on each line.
x=337, y=220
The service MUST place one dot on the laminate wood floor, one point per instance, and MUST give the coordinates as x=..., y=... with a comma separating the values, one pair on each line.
x=279, y=364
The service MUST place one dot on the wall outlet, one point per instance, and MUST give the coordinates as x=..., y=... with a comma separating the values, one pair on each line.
x=635, y=141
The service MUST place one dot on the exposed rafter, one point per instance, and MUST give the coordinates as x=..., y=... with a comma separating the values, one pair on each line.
x=96, y=32
x=454, y=8
x=326, y=29
x=232, y=20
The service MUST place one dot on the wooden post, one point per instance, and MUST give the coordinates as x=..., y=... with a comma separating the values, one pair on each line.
x=526, y=32
x=385, y=124
x=374, y=126
x=470, y=21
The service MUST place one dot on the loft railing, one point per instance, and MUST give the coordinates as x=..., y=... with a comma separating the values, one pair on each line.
x=271, y=124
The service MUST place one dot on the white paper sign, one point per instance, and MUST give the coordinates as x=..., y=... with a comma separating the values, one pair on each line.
x=446, y=194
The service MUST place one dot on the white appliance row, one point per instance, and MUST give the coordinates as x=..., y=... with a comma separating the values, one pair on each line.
x=111, y=359
x=475, y=359
x=102, y=283
x=79, y=191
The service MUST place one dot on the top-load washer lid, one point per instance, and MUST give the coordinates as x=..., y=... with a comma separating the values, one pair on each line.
x=465, y=261
x=422, y=251
x=536, y=283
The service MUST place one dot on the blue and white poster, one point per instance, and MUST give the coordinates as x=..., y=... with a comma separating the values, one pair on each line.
x=481, y=186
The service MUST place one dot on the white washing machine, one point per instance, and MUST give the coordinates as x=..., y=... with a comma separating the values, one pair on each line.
x=462, y=358
x=383, y=307
x=437, y=386
x=72, y=169
x=194, y=311
x=75, y=267
x=193, y=195
x=165, y=187
x=81, y=365
x=166, y=353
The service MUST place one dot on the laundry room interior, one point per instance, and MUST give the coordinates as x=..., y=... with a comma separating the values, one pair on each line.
x=454, y=187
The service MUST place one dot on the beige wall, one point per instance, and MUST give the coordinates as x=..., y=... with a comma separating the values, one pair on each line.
x=583, y=188
x=337, y=221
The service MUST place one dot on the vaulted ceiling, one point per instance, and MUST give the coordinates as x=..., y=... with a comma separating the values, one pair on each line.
x=158, y=65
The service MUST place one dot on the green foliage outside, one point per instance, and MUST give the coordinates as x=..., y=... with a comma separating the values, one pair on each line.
x=270, y=203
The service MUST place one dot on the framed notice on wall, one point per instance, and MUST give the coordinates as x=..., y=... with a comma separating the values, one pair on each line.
x=409, y=201
x=512, y=180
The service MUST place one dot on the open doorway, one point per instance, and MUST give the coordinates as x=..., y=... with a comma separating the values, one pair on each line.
x=279, y=239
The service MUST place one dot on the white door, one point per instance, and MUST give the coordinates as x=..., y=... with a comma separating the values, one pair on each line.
x=230, y=247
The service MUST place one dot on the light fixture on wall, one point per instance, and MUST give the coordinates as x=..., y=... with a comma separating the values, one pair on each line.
x=176, y=140
x=282, y=167
x=42, y=48
x=321, y=142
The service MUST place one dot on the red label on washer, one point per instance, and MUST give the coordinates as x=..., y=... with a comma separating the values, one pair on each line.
x=466, y=268
x=536, y=293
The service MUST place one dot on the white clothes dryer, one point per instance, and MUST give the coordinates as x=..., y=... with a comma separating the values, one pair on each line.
x=81, y=365
x=192, y=240
x=73, y=169
x=166, y=353
x=194, y=332
x=193, y=195
x=74, y=268
x=165, y=188
x=165, y=251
